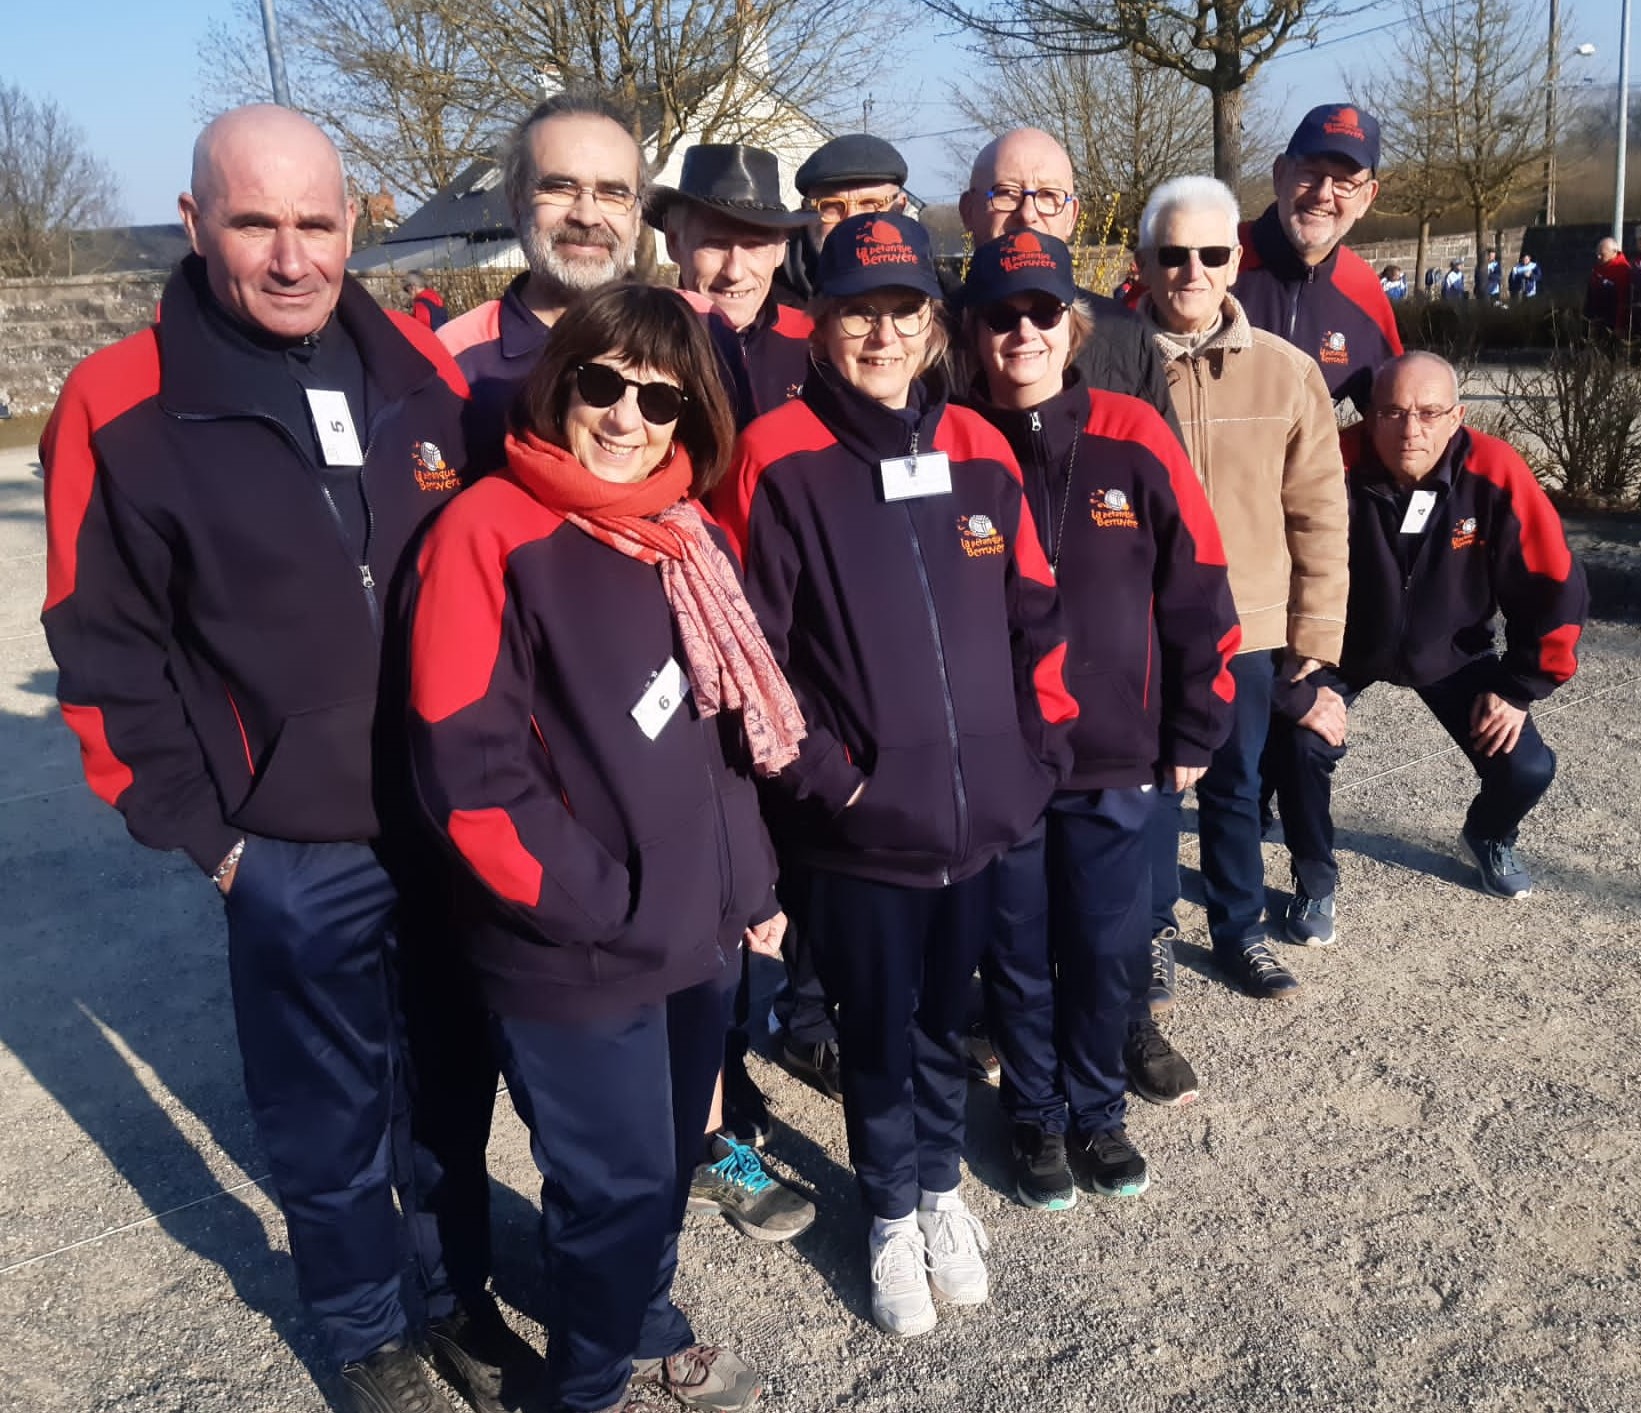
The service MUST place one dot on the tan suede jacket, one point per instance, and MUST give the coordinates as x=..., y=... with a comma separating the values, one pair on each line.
x=1260, y=429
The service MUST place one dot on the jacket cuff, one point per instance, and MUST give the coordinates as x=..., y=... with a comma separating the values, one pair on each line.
x=1293, y=699
x=207, y=842
x=1176, y=751
x=832, y=779
x=1321, y=638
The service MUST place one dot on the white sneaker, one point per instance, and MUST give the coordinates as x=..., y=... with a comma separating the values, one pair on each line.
x=956, y=1243
x=901, y=1303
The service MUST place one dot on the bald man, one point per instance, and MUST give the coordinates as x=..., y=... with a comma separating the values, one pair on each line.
x=1448, y=529
x=1023, y=181
x=1607, y=297
x=229, y=494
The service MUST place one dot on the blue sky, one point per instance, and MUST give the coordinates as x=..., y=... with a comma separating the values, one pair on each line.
x=129, y=74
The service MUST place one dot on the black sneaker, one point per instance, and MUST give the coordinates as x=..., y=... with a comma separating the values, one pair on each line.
x=736, y=1183
x=1160, y=996
x=1259, y=973
x=480, y=1356
x=1309, y=922
x=1502, y=874
x=746, y=1111
x=815, y=1065
x=391, y=1380
x=1042, y=1177
x=1114, y=1165
x=1157, y=1072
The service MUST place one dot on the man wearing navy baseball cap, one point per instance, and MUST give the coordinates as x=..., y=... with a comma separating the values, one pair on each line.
x=1297, y=279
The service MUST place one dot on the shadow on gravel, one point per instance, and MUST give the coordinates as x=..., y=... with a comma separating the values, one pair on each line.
x=103, y=983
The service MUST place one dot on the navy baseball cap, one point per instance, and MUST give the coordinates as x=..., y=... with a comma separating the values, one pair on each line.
x=1338, y=130
x=1020, y=262
x=856, y=158
x=881, y=251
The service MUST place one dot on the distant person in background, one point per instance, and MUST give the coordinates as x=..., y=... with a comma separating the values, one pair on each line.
x=426, y=303
x=1432, y=282
x=1453, y=280
x=1607, y=297
x=1393, y=282
x=1490, y=278
x=1130, y=288
x=1524, y=277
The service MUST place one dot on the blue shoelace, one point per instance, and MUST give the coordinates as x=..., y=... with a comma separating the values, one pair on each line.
x=742, y=1167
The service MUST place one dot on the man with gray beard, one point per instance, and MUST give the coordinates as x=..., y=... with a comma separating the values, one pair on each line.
x=573, y=176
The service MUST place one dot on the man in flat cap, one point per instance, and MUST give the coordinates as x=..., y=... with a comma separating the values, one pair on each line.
x=727, y=231
x=844, y=177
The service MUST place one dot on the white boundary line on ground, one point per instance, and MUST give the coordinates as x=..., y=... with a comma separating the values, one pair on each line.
x=256, y=1181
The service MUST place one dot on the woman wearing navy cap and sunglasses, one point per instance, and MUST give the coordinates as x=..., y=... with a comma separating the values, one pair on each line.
x=1150, y=626
x=893, y=565
x=590, y=696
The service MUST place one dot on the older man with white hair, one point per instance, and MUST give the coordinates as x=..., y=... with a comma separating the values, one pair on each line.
x=1260, y=431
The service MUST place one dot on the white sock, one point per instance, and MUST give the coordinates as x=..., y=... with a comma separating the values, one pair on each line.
x=883, y=1227
x=939, y=1201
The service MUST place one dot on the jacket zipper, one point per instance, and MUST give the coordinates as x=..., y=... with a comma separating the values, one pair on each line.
x=726, y=892
x=1293, y=304
x=959, y=791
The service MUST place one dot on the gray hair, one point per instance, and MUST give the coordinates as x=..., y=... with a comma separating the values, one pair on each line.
x=1188, y=193
x=518, y=163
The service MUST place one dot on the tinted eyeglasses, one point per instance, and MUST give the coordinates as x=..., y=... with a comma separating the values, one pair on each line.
x=855, y=321
x=601, y=386
x=1172, y=257
x=1005, y=318
x=832, y=209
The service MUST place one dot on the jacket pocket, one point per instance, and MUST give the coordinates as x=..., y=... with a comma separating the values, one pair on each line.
x=907, y=806
x=314, y=783
x=1007, y=789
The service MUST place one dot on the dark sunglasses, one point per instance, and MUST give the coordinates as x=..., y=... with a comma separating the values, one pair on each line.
x=1171, y=257
x=1005, y=318
x=601, y=386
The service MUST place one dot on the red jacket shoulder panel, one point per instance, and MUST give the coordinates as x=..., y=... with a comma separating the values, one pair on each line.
x=479, y=325
x=1543, y=542
x=431, y=347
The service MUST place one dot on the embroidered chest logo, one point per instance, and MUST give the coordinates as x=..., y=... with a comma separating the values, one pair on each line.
x=428, y=466
x=1334, y=349
x=1110, y=510
x=1464, y=533
x=979, y=536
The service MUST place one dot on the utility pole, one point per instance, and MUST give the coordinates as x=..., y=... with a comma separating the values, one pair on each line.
x=1623, y=123
x=866, y=105
x=276, y=55
x=1552, y=76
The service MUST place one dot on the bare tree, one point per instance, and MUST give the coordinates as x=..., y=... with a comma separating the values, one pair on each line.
x=1477, y=97
x=1219, y=45
x=415, y=88
x=50, y=186
x=1419, y=181
x=1126, y=125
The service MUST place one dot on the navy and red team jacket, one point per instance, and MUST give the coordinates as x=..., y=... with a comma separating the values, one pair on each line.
x=1493, y=542
x=922, y=637
x=1336, y=311
x=427, y=308
x=218, y=646
x=1150, y=624
x=612, y=865
x=775, y=347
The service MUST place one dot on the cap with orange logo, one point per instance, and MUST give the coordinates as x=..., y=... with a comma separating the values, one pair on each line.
x=1338, y=130
x=1020, y=262
x=881, y=251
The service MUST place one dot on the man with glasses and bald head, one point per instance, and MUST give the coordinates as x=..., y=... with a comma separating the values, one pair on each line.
x=1023, y=181
x=1448, y=529
x=1297, y=279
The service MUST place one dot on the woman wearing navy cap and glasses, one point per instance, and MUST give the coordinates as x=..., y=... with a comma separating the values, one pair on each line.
x=1150, y=626
x=892, y=562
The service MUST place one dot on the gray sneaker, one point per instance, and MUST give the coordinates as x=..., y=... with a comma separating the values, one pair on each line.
x=737, y=1184
x=1160, y=996
x=703, y=1376
x=1502, y=873
x=1308, y=921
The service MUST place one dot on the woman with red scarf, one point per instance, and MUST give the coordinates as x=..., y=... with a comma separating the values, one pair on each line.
x=590, y=698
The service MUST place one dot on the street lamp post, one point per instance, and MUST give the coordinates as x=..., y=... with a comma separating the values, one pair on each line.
x=1623, y=123
x=276, y=55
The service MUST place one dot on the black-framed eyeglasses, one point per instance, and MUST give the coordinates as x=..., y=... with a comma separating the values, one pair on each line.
x=855, y=321
x=601, y=386
x=1401, y=416
x=1172, y=257
x=1311, y=179
x=1049, y=200
x=1041, y=314
x=612, y=198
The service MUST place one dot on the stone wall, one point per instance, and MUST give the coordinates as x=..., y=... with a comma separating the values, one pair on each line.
x=47, y=326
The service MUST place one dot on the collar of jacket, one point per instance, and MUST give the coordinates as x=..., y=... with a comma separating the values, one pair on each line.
x=196, y=382
x=1058, y=418
x=522, y=334
x=1375, y=475
x=1234, y=335
x=866, y=427
x=1276, y=252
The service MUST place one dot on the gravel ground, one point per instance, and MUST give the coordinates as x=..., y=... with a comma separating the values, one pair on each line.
x=1418, y=1187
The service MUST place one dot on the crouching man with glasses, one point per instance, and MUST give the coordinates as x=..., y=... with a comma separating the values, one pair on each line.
x=1448, y=528
x=1260, y=431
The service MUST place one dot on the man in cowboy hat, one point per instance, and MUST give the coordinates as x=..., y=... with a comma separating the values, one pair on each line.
x=727, y=230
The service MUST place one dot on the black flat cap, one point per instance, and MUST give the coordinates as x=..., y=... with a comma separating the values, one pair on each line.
x=857, y=158
x=743, y=182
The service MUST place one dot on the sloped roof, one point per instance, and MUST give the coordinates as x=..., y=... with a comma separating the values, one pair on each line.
x=474, y=204
x=125, y=250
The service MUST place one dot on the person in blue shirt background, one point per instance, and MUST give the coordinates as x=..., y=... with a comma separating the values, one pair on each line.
x=1393, y=282
x=1524, y=276
x=1453, y=280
